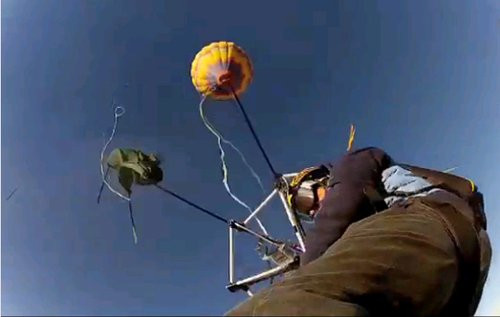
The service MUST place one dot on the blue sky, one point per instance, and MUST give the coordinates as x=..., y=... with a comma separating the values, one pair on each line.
x=419, y=79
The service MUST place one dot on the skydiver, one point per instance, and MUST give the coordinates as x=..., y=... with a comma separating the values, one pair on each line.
x=388, y=239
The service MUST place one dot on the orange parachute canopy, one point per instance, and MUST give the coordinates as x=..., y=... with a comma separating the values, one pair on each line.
x=220, y=70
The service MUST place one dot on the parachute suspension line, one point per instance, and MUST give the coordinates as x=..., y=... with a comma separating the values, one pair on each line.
x=350, y=142
x=249, y=123
x=134, y=231
x=244, y=160
x=234, y=147
x=119, y=111
x=99, y=194
x=102, y=185
x=222, y=155
x=221, y=139
x=206, y=211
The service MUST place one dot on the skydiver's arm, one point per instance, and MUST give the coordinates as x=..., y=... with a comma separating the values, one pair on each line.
x=346, y=200
x=341, y=207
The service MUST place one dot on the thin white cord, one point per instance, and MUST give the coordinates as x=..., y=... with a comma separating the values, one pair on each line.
x=450, y=169
x=221, y=139
x=236, y=149
x=119, y=111
x=243, y=158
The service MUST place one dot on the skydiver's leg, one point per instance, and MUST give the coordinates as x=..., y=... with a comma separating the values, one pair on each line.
x=398, y=262
x=295, y=302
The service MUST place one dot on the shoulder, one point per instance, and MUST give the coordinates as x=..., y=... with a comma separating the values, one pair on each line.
x=370, y=157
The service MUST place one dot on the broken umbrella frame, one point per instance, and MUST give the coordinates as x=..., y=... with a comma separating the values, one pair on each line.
x=285, y=256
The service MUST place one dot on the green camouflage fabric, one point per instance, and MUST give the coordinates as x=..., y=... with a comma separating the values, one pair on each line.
x=135, y=167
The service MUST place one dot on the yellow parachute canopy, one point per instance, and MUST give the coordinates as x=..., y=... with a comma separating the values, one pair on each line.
x=220, y=69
